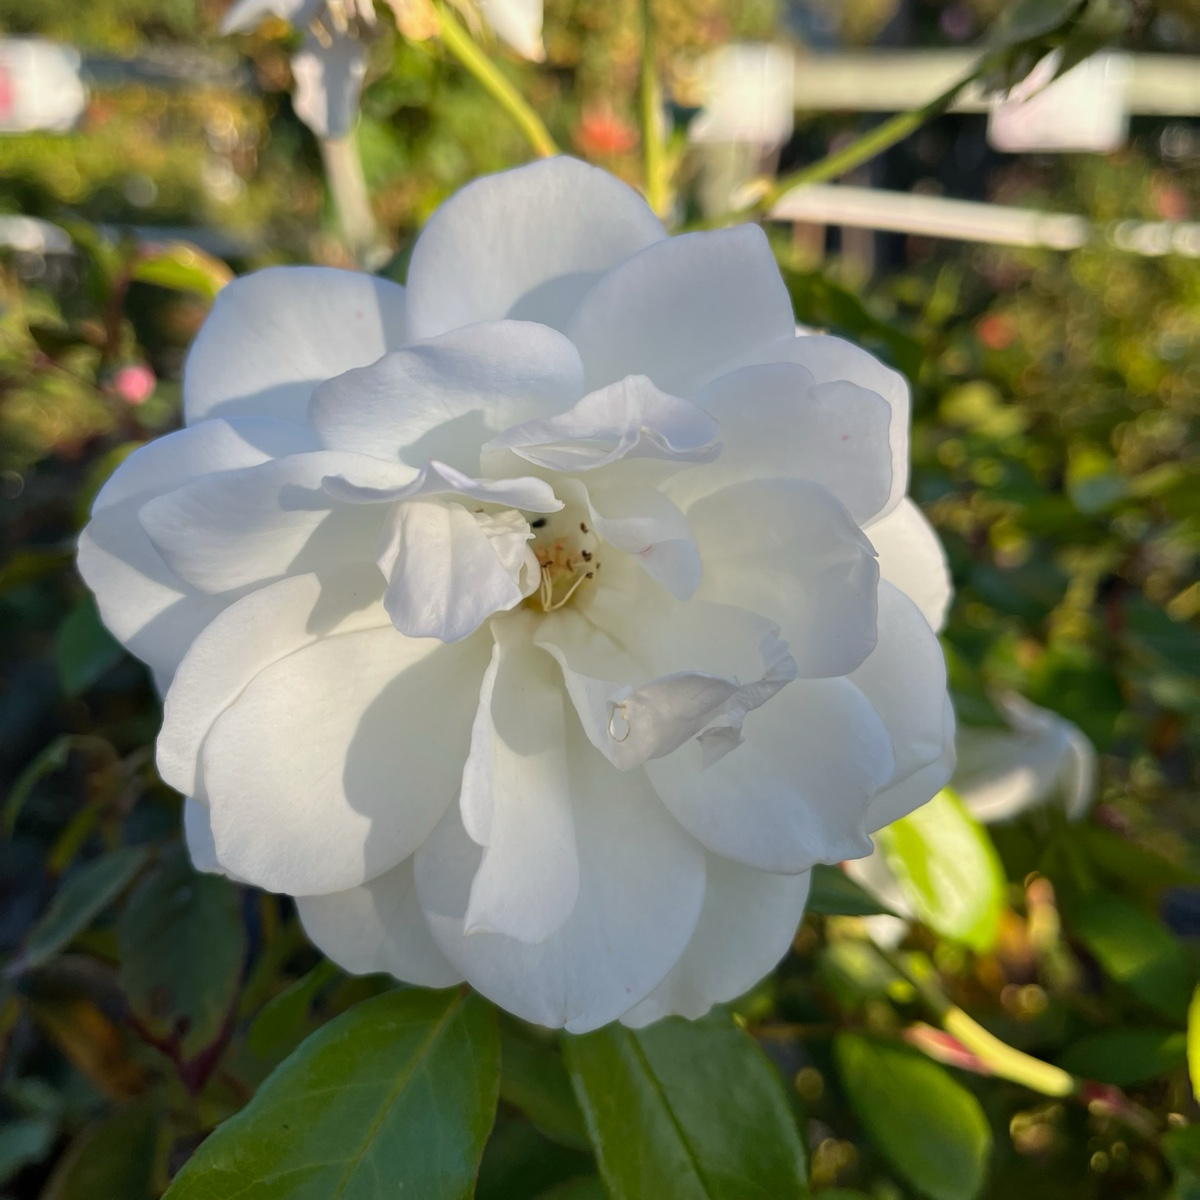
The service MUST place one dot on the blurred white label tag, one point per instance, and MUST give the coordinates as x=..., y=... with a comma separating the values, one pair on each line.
x=749, y=96
x=1085, y=110
x=40, y=87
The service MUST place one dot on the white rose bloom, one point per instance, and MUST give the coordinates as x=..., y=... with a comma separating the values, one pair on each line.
x=543, y=623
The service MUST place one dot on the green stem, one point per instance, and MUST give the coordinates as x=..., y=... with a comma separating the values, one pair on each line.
x=999, y=1057
x=460, y=43
x=654, y=159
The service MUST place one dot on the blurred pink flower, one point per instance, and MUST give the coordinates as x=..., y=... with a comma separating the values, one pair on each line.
x=134, y=383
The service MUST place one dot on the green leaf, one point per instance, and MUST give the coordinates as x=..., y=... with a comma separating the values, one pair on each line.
x=1182, y=1148
x=81, y=898
x=1029, y=19
x=1125, y=1056
x=689, y=1110
x=834, y=894
x=283, y=1021
x=24, y=1141
x=184, y=268
x=534, y=1080
x=1193, y=1042
x=393, y=1098
x=948, y=869
x=1134, y=950
x=84, y=650
x=588, y=1187
x=113, y=1158
x=928, y=1126
x=182, y=944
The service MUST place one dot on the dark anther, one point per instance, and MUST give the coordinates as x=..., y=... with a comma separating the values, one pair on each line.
x=540, y=523
x=582, y=527
x=586, y=555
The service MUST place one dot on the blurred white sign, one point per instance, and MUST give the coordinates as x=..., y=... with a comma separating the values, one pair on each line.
x=748, y=96
x=1085, y=110
x=40, y=87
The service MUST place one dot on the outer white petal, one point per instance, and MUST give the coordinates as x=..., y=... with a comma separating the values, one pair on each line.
x=905, y=680
x=329, y=83
x=442, y=399
x=148, y=609
x=244, y=15
x=776, y=422
x=640, y=891
x=519, y=23
x=911, y=557
x=449, y=569
x=746, y=926
x=524, y=244
x=246, y=638
x=272, y=336
x=683, y=309
x=786, y=549
x=1001, y=774
x=337, y=761
x=243, y=527
x=516, y=796
x=197, y=836
x=829, y=359
x=795, y=792
x=378, y=927
x=627, y=419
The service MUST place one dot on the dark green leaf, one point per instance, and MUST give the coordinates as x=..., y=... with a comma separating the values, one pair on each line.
x=587, y=1188
x=1125, y=1056
x=1182, y=1148
x=519, y=1163
x=182, y=944
x=283, y=1021
x=689, y=1110
x=834, y=894
x=113, y=1159
x=81, y=898
x=83, y=649
x=533, y=1079
x=1134, y=950
x=393, y=1098
x=24, y=1141
x=1028, y=19
x=948, y=869
x=928, y=1126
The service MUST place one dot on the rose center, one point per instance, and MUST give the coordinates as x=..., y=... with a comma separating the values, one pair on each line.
x=568, y=552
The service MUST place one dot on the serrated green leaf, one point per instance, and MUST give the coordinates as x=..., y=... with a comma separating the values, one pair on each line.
x=1134, y=950
x=1125, y=1056
x=690, y=1110
x=182, y=944
x=927, y=1125
x=393, y=1098
x=281, y=1025
x=948, y=869
x=834, y=894
x=80, y=899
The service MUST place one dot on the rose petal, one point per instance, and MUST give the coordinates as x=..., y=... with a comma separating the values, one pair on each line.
x=786, y=549
x=442, y=399
x=449, y=569
x=911, y=557
x=246, y=638
x=272, y=336
x=517, y=795
x=321, y=774
x=776, y=422
x=746, y=926
x=681, y=309
x=640, y=890
x=378, y=927
x=524, y=244
x=796, y=791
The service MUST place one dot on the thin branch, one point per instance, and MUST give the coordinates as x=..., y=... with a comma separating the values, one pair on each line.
x=460, y=43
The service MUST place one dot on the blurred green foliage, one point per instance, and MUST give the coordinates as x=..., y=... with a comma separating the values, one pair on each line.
x=1056, y=405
